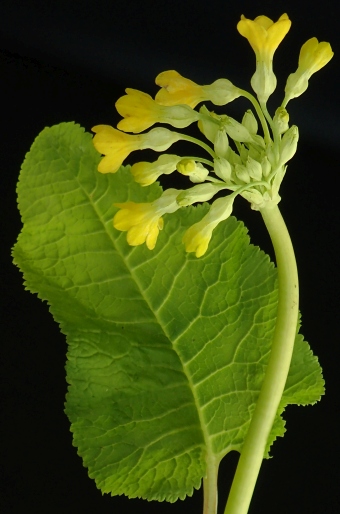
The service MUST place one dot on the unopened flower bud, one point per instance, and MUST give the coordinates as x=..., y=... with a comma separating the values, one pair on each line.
x=200, y=193
x=244, y=152
x=254, y=197
x=281, y=120
x=249, y=121
x=242, y=173
x=208, y=124
x=266, y=167
x=159, y=139
x=222, y=91
x=237, y=131
x=270, y=153
x=289, y=144
x=148, y=172
x=222, y=169
x=194, y=170
x=254, y=169
x=221, y=143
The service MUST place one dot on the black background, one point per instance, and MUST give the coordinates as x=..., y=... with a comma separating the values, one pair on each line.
x=70, y=61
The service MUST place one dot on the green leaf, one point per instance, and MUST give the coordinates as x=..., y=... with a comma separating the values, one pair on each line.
x=167, y=352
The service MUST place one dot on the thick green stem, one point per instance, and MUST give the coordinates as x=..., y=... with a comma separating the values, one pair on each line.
x=278, y=366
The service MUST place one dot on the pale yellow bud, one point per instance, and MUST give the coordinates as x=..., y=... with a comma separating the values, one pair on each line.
x=237, y=131
x=222, y=169
x=266, y=167
x=200, y=193
x=250, y=122
x=281, y=120
x=254, y=169
x=221, y=143
x=242, y=173
x=192, y=169
x=208, y=124
x=289, y=144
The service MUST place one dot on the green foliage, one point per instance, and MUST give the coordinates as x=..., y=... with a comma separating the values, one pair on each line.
x=167, y=352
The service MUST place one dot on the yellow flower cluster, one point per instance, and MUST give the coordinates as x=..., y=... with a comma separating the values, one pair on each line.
x=253, y=166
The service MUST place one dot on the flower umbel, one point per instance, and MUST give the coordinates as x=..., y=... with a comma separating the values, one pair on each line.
x=240, y=159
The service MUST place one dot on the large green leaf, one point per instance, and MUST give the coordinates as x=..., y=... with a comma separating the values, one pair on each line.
x=167, y=352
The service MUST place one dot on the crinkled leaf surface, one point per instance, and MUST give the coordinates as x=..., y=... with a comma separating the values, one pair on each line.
x=167, y=352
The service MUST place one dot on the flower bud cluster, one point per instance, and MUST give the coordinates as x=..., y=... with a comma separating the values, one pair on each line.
x=256, y=164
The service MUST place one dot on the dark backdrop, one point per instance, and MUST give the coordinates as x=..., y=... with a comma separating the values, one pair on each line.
x=70, y=60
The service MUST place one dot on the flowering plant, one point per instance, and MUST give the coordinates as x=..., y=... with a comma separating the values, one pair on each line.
x=174, y=360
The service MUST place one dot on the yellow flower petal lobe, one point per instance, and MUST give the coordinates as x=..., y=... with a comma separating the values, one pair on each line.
x=263, y=34
x=115, y=146
x=178, y=90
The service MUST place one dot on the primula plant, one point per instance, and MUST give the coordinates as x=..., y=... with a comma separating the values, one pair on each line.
x=183, y=337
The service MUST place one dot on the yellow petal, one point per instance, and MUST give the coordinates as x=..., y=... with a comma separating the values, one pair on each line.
x=115, y=145
x=111, y=163
x=197, y=237
x=139, y=110
x=178, y=90
x=146, y=173
x=263, y=34
x=131, y=214
x=315, y=55
x=141, y=221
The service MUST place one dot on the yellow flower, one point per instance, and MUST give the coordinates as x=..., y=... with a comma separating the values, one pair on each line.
x=146, y=173
x=264, y=37
x=313, y=57
x=200, y=193
x=116, y=145
x=141, y=112
x=179, y=90
x=197, y=237
x=143, y=221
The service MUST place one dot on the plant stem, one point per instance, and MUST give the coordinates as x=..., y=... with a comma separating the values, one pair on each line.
x=278, y=366
x=259, y=112
x=200, y=143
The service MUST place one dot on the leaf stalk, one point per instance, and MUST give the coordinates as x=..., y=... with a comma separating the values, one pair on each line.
x=278, y=366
